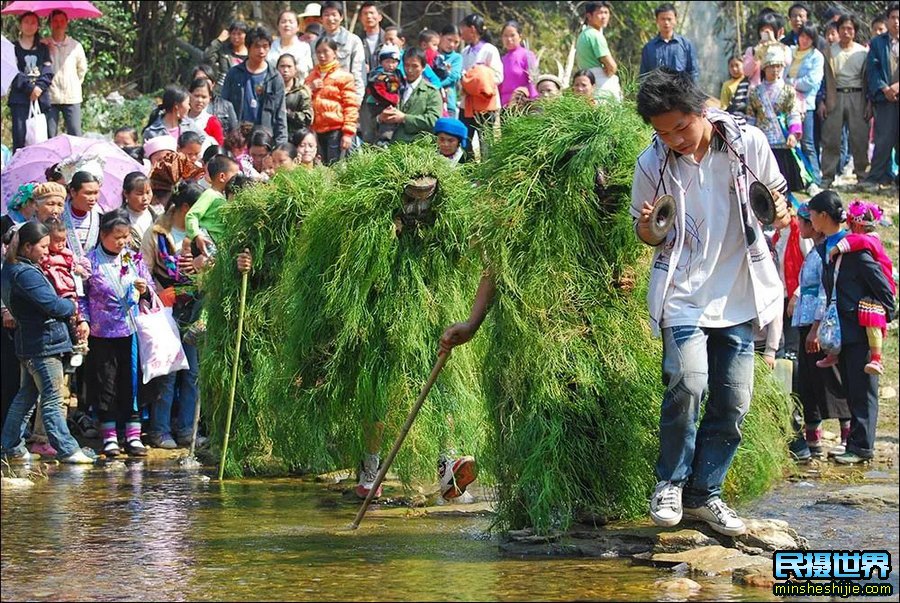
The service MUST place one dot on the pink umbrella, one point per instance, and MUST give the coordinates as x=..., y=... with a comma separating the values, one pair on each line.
x=73, y=10
x=112, y=163
x=9, y=68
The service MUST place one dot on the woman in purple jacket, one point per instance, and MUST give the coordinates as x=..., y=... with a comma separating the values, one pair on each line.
x=117, y=284
x=519, y=65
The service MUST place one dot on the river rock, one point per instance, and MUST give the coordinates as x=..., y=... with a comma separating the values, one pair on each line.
x=870, y=495
x=682, y=540
x=713, y=560
x=771, y=535
x=887, y=393
x=678, y=585
x=16, y=483
x=756, y=576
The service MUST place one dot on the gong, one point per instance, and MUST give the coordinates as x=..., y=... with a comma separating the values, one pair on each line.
x=662, y=218
x=762, y=203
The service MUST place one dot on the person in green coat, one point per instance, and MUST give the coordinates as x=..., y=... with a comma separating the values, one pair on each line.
x=420, y=102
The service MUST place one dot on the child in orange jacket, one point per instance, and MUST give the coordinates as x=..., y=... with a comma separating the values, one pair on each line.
x=335, y=103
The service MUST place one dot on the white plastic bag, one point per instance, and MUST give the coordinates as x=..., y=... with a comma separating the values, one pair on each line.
x=159, y=341
x=35, y=125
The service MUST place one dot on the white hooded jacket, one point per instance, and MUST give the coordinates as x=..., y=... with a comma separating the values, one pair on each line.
x=750, y=143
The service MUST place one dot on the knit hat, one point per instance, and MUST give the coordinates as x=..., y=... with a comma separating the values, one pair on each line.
x=389, y=51
x=548, y=77
x=160, y=143
x=453, y=127
x=48, y=189
x=774, y=56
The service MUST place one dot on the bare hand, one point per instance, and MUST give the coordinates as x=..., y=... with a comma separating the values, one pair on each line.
x=244, y=261
x=36, y=93
x=812, y=341
x=316, y=84
x=82, y=330
x=889, y=94
x=223, y=36
x=201, y=244
x=346, y=142
x=791, y=141
x=643, y=224
x=770, y=361
x=199, y=262
x=835, y=251
x=456, y=334
x=8, y=321
x=792, y=304
x=782, y=215
x=822, y=111
x=869, y=113
x=141, y=285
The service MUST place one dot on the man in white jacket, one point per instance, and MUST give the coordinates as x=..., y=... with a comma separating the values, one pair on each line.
x=712, y=280
x=69, y=68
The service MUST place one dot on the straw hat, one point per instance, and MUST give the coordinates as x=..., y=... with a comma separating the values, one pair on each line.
x=313, y=9
x=48, y=189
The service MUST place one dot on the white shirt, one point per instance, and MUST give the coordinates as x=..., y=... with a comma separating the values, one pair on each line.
x=410, y=88
x=140, y=222
x=299, y=50
x=486, y=54
x=712, y=245
x=372, y=41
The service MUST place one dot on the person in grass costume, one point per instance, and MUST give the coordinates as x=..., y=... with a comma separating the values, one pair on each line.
x=571, y=368
x=340, y=347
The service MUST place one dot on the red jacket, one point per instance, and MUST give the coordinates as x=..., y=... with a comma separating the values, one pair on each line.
x=58, y=268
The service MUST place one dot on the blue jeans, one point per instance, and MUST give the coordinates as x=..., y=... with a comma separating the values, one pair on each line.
x=183, y=387
x=808, y=145
x=71, y=115
x=40, y=378
x=699, y=361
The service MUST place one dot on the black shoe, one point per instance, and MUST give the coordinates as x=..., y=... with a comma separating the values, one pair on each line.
x=135, y=448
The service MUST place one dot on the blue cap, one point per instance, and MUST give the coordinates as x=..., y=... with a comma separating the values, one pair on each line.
x=453, y=127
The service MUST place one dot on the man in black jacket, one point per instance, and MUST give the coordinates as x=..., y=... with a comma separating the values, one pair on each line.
x=256, y=90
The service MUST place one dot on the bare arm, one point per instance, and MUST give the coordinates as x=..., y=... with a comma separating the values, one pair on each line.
x=461, y=332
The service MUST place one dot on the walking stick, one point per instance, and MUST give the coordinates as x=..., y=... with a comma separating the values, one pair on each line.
x=438, y=366
x=234, y=371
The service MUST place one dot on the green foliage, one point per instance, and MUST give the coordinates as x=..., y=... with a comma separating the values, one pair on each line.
x=100, y=115
x=572, y=372
x=344, y=317
x=109, y=45
x=364, y=308
x=267, y=220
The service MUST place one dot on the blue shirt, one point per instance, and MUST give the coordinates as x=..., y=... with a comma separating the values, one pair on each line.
x=678, y=54
x=832, y=240
x=252, y=92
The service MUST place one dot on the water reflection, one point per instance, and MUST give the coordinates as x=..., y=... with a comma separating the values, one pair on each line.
x=130, y=532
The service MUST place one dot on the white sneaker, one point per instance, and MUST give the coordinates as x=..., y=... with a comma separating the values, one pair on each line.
x=837, y=450
x=78, y=458
x=665, y=506
x=719, y=516
x=368, y=473
x=455, y=475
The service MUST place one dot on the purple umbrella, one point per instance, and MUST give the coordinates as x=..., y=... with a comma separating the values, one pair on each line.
x=8, y=66
x=101, y=157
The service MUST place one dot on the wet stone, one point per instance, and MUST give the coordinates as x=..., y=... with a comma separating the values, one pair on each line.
x=771, y=535
x=874, y=496
x=758, y=577
x=677, y=585
x=713, y=560
x=682, y=540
